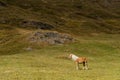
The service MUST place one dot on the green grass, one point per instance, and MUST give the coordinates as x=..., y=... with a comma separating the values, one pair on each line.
x=50, y=63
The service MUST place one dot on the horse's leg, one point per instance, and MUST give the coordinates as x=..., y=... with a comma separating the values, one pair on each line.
x=77, y=65
x=86, y=65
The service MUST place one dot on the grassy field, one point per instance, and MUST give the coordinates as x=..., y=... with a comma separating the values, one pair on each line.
x=50, y=63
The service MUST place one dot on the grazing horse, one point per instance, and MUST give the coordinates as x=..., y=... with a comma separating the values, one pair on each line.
x=79, y=60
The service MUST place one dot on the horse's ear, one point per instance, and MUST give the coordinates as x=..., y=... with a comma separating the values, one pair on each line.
x=70, y=55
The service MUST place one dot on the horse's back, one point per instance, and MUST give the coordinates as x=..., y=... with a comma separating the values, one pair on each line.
x=81, y=59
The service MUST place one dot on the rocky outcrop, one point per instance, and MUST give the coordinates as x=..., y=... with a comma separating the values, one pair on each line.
x=2, y=4
x=37, y=25
x=51, y=37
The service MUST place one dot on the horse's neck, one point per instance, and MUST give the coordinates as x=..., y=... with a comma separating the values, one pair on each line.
x=74, y=57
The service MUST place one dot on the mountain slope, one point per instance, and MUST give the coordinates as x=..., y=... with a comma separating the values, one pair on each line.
x=19, y=19
x=87, y=16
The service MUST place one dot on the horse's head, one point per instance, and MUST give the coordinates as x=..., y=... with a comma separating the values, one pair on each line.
x=70, y=56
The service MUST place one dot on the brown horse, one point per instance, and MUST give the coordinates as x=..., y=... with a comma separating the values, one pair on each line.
x=79, y=60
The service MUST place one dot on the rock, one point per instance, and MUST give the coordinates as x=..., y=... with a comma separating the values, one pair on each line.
x=3, y=4
x=28, y=49
x=51, y=37
x=38, y=25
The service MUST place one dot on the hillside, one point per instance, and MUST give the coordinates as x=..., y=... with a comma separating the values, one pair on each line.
x=18, y=19
x=83, y=16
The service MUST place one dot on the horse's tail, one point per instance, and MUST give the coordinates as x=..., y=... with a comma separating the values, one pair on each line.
x=85, y=60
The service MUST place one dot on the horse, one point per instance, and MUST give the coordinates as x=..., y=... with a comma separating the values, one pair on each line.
x=79, y=60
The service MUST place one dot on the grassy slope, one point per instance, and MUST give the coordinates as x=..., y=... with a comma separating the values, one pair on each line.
x=9, y=40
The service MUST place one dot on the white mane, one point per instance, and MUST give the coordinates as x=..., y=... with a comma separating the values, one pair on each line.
x=74, y=57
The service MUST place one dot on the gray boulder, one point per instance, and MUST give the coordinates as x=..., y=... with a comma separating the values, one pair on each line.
x=51, y=37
